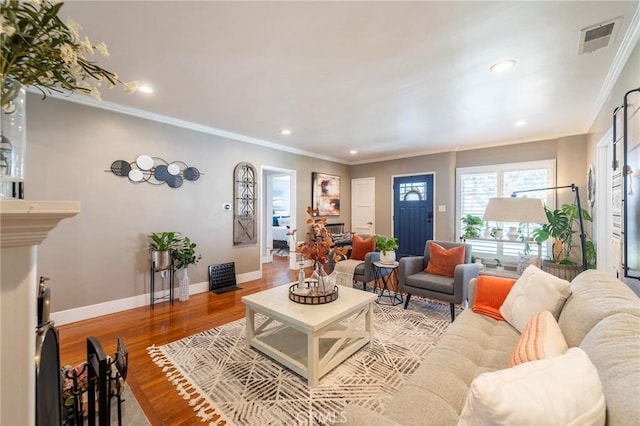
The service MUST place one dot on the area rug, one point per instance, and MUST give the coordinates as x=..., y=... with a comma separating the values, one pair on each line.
x=226, y=381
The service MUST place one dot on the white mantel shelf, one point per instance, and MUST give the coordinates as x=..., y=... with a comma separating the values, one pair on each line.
x=27, y=223
x=23, y=226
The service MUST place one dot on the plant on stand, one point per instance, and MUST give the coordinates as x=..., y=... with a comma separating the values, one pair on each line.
x=184, y=255
x=387, y=248
x=161, y=246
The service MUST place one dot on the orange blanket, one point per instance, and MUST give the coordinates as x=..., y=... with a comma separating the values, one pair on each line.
x=490, y=294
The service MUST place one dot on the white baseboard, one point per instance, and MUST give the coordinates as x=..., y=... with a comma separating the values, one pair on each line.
x=86, y=312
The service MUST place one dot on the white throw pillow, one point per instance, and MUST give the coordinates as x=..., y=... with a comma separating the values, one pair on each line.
x=541, y=338
x=534, y=292
x=564, y=390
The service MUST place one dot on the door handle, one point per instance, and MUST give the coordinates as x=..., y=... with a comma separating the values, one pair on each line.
x=369, y=223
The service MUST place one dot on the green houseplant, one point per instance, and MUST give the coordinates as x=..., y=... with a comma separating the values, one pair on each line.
x=163, y=241
x=561, y=228
x=184, y=254
x=161, y=246
x=387, y=248
x=472, y=226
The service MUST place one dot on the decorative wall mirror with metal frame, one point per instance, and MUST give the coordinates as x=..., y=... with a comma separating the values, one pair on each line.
x=244, y=204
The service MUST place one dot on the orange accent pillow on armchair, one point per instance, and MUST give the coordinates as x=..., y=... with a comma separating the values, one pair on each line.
x=442, y=261
x=360, y=247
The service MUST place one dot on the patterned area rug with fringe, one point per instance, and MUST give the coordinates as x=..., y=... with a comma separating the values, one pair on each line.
x=226, y=381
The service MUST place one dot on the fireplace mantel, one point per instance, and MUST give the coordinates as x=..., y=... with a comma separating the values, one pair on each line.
x=23, y=226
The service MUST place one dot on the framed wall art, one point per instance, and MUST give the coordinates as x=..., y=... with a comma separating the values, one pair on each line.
x=325, y=194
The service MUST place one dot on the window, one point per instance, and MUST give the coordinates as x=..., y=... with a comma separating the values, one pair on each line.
x=475, y=185
x=413, y=191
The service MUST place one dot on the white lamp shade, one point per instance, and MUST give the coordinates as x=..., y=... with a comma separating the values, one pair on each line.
x=520, y=210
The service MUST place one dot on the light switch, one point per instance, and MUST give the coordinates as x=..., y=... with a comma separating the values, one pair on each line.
x=442, y=208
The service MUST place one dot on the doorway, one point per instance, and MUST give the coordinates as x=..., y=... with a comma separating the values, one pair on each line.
x=413, y=203
x=278, y=204
x=608, y=250
x=363, y=206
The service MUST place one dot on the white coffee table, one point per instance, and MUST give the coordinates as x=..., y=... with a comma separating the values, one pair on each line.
x=309, y=339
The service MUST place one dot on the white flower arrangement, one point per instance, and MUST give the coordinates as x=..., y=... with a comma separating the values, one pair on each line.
x=40, y=50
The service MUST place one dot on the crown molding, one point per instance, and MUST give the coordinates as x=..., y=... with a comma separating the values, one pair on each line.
x=135, y=112
x=627, y=45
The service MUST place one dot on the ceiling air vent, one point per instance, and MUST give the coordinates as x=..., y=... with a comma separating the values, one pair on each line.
x=598, y=36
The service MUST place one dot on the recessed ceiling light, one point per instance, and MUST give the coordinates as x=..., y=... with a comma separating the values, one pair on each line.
x=285, y=132
x=353, y=152
x=520, y=123
x=503, y=66
x=145, y=89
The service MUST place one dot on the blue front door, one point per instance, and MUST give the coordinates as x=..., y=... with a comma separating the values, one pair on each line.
x=412, y=213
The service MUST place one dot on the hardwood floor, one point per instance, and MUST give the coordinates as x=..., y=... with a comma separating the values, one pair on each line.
x=143, y=327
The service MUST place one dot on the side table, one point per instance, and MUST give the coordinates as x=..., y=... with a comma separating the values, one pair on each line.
x=383, y=274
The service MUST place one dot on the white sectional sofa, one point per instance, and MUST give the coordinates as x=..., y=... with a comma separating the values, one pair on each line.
x=601, y=316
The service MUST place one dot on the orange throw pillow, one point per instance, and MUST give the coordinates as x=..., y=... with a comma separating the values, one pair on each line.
x=442, y=261
x=490, y=294
x=541, y=339
x=360, y=247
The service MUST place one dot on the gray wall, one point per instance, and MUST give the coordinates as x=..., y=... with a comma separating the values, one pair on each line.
x=569, y=152
x=443, y=165
x=100, y=255
x=629, y=79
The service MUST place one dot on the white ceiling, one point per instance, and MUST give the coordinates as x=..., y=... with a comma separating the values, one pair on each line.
x=388, y=79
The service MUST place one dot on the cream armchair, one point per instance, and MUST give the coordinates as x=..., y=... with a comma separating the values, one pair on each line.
x=412, y=278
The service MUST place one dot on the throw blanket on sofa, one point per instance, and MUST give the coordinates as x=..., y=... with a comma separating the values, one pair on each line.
x=344, y=271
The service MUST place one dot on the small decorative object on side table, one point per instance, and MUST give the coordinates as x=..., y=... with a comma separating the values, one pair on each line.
x=383, y=273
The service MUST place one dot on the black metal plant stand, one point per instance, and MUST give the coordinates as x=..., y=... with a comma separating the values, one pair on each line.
x=153, y=283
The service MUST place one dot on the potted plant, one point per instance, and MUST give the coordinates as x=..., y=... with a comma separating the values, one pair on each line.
x=561, y=229
x=472, y=226
x=387, y=248
x=161, y=246
x=184, y=254
x=496, y=233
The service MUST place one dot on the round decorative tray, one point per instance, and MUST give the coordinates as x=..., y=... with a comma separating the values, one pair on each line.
x=311, y=298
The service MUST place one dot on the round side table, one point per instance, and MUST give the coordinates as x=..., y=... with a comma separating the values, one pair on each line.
x=383, y=273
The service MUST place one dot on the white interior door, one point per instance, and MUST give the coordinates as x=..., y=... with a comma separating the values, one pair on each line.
x=363, y=205
x=607, y=247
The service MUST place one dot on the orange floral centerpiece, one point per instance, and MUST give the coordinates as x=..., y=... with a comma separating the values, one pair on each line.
x=319, y=241
x=318, y=247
